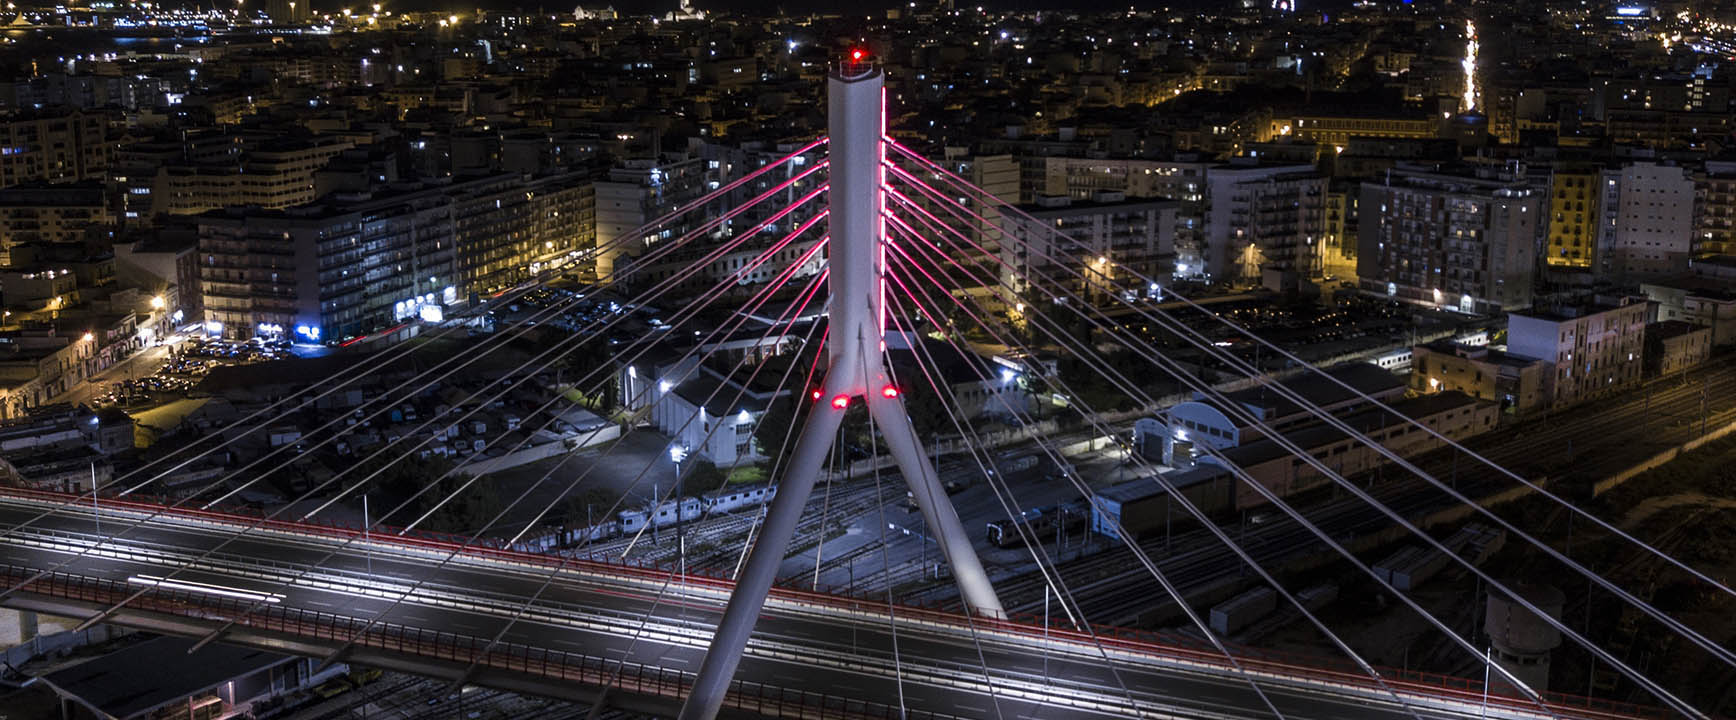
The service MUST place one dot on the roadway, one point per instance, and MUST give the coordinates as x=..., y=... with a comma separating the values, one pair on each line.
x=834, y=647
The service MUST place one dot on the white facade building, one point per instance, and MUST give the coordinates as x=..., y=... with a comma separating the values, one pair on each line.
x=1647, y=229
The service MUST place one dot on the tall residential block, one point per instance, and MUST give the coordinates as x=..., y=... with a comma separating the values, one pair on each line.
x=1449, y=241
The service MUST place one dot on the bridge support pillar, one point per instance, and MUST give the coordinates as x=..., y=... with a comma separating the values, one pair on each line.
x=854, y=343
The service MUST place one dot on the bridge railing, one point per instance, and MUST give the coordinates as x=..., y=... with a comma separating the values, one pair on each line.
x=1030, y=628
x=592, y=670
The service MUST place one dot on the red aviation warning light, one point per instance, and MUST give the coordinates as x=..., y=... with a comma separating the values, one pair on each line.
x=856, y=61
x=816, y=396
x=889, y=392
x=840, y=402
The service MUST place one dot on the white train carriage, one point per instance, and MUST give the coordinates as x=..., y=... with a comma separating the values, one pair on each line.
x=662, y=516
x=736, y=498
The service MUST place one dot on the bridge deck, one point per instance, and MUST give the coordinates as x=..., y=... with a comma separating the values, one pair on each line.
x=641, y=632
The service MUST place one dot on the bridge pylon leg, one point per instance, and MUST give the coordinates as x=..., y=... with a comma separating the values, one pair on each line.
x=763, y=560
x=937, y=511
x=854, y=342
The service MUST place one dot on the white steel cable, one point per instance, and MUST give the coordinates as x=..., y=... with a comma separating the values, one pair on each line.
x=660, y=288
x=766, y=293
x=1139, y=553
x=387, y=357
x=1297, y=361
x=669, y=247
x=1652, y=687
x=1090, y=416
x=968, y=612
x=1204, y=344
x=553, y=573
x=1057, y=584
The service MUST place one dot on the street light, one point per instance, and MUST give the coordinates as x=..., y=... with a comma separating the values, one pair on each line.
x=677, y=453
x=88, y=337
x=157, y=303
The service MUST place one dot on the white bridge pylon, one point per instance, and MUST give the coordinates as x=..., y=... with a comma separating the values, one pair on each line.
x=855, y=370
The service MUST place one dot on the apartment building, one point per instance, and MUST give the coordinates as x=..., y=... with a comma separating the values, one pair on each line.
x=1118, y=241
x=1261, y=218
x=1647, y=223
x=1592, y=349
x=54, y=145
x=1449, y=241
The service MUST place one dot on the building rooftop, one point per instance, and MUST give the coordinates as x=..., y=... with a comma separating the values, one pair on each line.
x=1134, y=490
x=144, y=677
x=1573, y=311
x=1367, y=378
x=1673, y=328
x=1481, y=352
x=1368, y=421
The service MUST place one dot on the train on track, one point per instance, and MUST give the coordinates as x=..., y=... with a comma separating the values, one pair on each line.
x=665, y=514
x=1043, y=523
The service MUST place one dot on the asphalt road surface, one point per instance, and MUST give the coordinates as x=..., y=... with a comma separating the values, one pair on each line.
x=831, y=650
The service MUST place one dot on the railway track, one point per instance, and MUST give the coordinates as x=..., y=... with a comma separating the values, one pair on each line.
x=1108, y=592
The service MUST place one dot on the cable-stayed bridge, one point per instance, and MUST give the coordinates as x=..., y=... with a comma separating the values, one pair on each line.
x=641, y=632
x=901, y=236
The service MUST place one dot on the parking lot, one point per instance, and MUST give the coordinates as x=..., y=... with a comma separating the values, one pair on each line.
x=187, y=362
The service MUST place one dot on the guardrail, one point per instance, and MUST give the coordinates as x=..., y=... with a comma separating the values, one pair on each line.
x=1031, y=628
x=617, y=675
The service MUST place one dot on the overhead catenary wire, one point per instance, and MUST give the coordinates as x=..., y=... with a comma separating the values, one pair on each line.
x=1651, y=687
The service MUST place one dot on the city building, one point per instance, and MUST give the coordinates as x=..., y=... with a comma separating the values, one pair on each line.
x=1591, y=349
x=1200, y=421
x=1573, y=219
x=638, y=191
x=1674, y=346
x=1118, y=241
x=509, y=230
x=1338, y=233
x=1082, y=177
x=163, y=264
x=289, y=12
x=1513, y=382
x=1452, y=414
x=1448, y=241
x=38, y=365
x=54, y=145
x=1260, y=219
x=997, y=174
x=1715, y=223
x=691, y=403
x=1648, y=222
x=355, y=263
x=1697, y=301
x=274, y=175
x=40, y=212
x=1337, y=130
